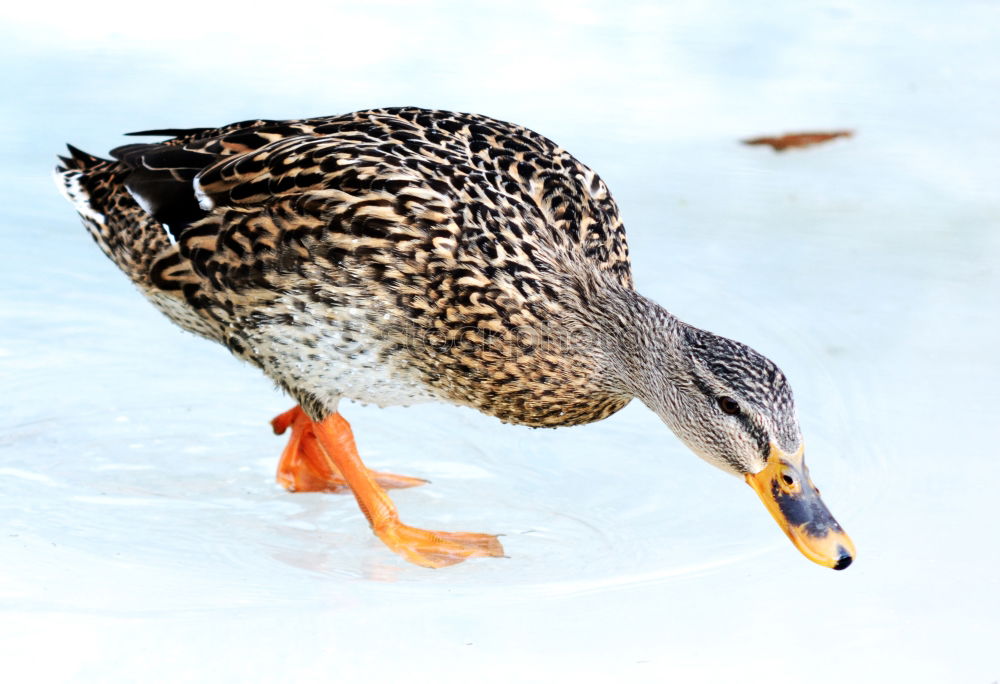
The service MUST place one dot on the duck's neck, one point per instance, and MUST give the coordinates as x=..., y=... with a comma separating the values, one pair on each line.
x=642, y=344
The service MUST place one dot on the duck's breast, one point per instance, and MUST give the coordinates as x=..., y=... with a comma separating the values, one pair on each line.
x=338, y=353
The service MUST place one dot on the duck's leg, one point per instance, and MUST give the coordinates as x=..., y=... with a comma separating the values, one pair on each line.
x=305, y=468
x=431, y=549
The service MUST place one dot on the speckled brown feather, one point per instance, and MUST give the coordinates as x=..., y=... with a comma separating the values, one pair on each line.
x=463, y=255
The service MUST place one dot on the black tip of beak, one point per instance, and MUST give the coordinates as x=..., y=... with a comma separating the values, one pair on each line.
x=844, y=559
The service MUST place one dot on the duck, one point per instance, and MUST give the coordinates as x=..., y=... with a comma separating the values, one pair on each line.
x=402, y=255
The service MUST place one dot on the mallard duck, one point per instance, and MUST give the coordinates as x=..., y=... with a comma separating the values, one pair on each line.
x=407, y=255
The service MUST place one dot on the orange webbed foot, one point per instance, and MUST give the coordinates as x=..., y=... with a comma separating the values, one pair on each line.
x=322, y=456
x=304, y=467
x=433, y=549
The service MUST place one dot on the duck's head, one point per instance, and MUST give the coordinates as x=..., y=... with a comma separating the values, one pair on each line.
x=733, y=407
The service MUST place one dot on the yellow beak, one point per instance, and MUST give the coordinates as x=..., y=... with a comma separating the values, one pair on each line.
x=791, y=497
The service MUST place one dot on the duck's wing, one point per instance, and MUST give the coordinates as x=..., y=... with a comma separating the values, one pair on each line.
x=491, y=170
x=275, y=205
x=161, y=174
x=311, y=216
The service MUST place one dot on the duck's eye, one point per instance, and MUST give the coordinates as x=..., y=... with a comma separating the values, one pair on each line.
x=729, y=406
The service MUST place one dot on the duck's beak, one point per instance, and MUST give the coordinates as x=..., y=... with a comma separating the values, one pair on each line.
x=791, y=497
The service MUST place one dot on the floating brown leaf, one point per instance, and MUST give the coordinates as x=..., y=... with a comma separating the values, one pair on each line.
x=789, y=140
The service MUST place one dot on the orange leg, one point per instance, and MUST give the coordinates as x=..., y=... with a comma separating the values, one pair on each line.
x=332, y=438
x=305, y=468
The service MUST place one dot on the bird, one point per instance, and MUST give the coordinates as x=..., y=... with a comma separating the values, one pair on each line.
x=403, y=255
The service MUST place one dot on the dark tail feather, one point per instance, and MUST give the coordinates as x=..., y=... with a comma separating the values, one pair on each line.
x=172, y=132
x=127, y=234
x=79, y=160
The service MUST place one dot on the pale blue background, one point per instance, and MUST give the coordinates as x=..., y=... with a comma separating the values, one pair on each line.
x=145, y=540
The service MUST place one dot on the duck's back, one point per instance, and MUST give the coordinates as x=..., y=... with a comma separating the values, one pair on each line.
x=410, y=240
